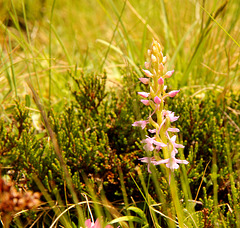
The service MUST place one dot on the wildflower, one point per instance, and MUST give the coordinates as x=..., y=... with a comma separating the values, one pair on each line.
x=149, y=144
x=173, y=93
x=169, y=74
x=173, y=129
x=163, y=118
x=148, y=160
x=160, y=67
x=157, y=100
x=175, y=145
x=148, y=73
x=147, y=65
x=143, y=94
x=160, y=81
x=152, y=130
x=171, y=163
x=164, y=60
x=145, y=102
x=159, y=145
x=97, y=224
x=170, y=115
x=153, y=58
x=144, y=80
x=140, y=123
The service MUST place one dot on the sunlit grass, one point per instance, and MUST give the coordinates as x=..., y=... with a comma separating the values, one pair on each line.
x=42, y=42
x=199, y=50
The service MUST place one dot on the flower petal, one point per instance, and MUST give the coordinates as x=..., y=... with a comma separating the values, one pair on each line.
x=161, y=162
x=148, y=73
x=143, y=94
x=157, y=100
x=181, y=161
x=146, y=102
x=144, y=80
x=173, y=93
x=140, y=123
x=169, y=74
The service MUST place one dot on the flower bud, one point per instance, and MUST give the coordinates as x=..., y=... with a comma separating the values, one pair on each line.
x=143, y=94
x=160, y=67
x=147, y=65
x=154, y=50
x=173, y=93
x=157, y=100
x=145, y=102
x=164, y=59
x=169, y=74
x=148, y=73
x=160, y=81
x=153, y=58
x=144, y=80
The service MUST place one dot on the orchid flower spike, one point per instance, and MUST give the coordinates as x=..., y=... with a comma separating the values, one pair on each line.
x=159, y=120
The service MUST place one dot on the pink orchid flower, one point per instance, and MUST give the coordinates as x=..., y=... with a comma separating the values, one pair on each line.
x=173, y=93
x=143, y=94
x=144, y=80
x=140, y=123
x=171, y=163
x=157, y=100
x=169, y=74
x=159, y=145
x=97, y=224
x=160, y=81
x=170, y=115
x=149, y=144
x=173, y=129
x=145, y=102
x=173, y=139
x=148, y=73
x=148, y=160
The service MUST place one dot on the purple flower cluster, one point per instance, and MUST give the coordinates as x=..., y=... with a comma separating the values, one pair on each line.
x=164, y=138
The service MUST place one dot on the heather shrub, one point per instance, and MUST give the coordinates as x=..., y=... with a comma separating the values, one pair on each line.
x=96, y=138
x=93, y=135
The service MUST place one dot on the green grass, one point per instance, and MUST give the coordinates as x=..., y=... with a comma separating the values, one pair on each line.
x=202, y=49
x=44, y=42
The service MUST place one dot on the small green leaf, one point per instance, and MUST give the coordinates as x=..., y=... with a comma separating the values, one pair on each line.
x=138, y=211
x=127, y=219
x=27, y=100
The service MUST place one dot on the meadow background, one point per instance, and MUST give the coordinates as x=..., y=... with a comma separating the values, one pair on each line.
x=68, y=82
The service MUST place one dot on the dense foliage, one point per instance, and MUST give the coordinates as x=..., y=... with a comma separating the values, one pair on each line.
x=97, y=140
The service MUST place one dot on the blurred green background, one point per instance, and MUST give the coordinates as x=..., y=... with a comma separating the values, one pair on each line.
x=43, y=40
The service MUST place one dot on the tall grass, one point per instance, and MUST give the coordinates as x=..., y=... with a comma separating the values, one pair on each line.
x=42, y=42
x=201, y=39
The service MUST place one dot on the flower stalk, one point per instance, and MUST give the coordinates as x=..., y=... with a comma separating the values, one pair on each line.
x=163, y=138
